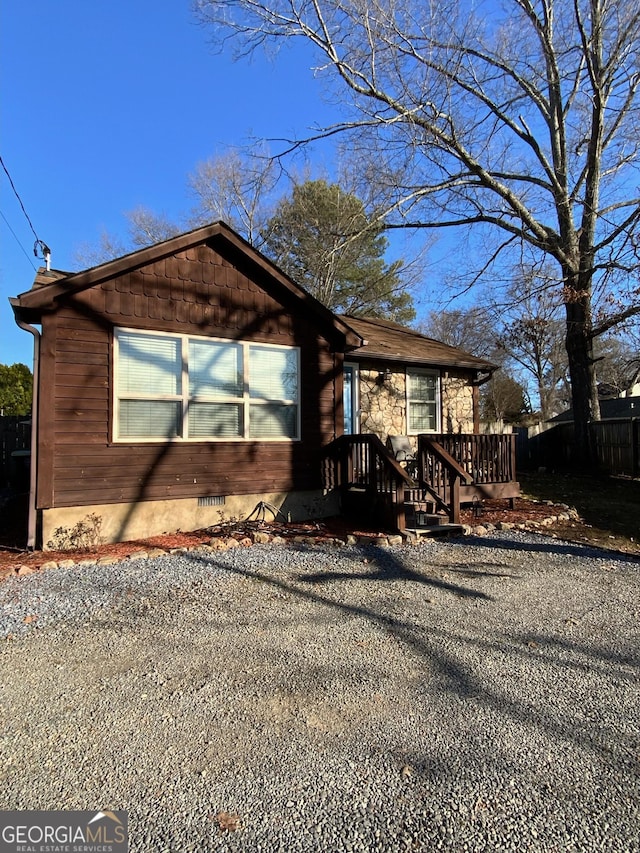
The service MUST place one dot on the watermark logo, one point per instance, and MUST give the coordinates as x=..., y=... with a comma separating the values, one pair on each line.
x=64, y=832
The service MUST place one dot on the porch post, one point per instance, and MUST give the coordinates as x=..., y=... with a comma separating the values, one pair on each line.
x=454, y=487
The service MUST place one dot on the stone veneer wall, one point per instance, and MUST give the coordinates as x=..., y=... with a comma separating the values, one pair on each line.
x=457, y=403
x=383, y=405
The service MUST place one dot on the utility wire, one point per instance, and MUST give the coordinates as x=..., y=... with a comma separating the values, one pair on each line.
x=26, y=254
x=38, y=243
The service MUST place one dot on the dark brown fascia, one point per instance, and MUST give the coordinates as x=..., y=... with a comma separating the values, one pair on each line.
x=24, y=315
x=41, y=298
x=479, y=365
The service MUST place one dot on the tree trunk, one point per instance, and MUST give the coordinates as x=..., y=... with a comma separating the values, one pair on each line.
x=584, y=392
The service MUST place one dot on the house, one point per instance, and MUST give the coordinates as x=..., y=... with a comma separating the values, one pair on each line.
x=611, y=408
x=188, y=382
x=401, y=382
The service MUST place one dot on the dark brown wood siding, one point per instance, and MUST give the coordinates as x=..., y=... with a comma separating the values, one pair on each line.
x=196, y=292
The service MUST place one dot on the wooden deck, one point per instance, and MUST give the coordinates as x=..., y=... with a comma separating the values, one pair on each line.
x=451, y=470
x=489, y=461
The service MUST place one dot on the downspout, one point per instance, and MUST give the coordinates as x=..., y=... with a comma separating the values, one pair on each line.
x=33, y=468
x=476, y=384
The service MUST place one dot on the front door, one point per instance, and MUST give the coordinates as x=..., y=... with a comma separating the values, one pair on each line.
x=350, y=399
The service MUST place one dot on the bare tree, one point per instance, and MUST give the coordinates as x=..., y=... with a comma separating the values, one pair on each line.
x=147, y=227
x=236, y=187
x=144, y=229
x=529, y=330
x=520, y=116
x=472, y=329
x=523, y=336
x=108, y=247
x=618, y=364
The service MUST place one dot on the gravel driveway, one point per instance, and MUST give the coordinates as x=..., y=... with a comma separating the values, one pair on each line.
x=479, y=694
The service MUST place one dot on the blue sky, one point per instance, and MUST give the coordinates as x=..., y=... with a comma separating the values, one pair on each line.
x=107, y=106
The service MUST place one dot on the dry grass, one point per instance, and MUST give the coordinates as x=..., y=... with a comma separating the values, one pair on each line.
x=608, y=506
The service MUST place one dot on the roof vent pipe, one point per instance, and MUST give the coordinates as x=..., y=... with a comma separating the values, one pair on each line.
x=46, y=253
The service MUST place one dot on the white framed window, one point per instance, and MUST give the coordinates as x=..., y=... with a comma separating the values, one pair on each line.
x=423, y=401
x=187, y=388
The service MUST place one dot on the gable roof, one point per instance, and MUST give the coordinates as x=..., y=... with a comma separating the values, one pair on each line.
x=388, y=341
x=50, y=285
x=363, y=337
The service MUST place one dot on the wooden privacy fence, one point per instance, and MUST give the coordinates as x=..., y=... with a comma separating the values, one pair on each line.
x=616, y=443
x=15, y=442
x=617, y=446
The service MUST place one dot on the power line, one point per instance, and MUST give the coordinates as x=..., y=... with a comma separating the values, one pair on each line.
x=18, y=241
x=39, y=243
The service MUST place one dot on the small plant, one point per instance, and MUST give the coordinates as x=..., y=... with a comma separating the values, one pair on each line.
x=84, y=535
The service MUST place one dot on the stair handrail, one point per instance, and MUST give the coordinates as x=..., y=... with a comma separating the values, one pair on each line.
x=380, y=451
x=446, y=458
x=388, y=459
x=386, y=482
x=456, y=475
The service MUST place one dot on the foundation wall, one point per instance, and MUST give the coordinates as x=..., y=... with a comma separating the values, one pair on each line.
x=126, y=522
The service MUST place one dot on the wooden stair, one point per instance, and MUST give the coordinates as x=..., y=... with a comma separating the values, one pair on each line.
x=375, y=488
x=423, y=518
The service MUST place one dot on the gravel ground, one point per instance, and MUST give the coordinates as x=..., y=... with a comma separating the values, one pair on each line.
x=478, y=694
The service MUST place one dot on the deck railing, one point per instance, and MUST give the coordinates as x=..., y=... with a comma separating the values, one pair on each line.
x=488, y=461
x=441, y=475
x=487, y=458
x=451, y=468
x=361, y=463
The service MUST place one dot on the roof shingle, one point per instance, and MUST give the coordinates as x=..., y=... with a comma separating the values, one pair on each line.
x=392, y=342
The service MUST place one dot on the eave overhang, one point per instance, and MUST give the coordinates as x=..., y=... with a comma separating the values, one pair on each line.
x=50, y=286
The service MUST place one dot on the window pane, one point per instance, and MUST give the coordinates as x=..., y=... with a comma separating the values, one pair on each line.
x=273, y=373
x=149, y=419
x=422, y=417
x=273, y=420
x=215, y=369
x=149, y=365
x=212, y=420
x=347, y=400
x=422, y=386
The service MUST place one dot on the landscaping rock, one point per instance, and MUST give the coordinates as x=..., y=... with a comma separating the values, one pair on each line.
x=260, y=537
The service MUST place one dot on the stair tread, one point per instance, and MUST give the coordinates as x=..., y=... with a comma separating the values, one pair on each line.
x=435, y=530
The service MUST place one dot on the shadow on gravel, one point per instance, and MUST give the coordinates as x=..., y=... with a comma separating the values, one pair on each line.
x=475, y=573
x=567, y=653
x=436, y=647
x=385, y=566
x=549, y=546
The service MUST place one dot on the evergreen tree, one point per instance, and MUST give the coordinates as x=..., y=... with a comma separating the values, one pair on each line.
x=324, y=240
x=16, y=389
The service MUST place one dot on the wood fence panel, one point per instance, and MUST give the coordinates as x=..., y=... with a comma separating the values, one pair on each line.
x=15, y=435
x=616, y=445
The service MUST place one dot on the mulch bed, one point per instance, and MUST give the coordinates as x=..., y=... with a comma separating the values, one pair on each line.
x=491, y=512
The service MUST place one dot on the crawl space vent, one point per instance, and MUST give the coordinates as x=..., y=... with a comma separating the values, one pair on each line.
x=211, y=500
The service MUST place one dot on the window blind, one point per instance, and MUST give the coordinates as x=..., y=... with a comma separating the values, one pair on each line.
x=149, y=364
